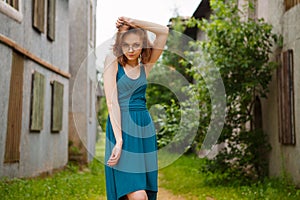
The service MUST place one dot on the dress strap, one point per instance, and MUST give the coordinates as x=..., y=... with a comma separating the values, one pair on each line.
x=143, y=72
x=120, y=71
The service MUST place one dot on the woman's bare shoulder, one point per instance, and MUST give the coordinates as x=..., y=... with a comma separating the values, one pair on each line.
x=110, y=58
x=111, y=62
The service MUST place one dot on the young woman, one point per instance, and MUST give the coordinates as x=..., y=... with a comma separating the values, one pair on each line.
x=131, y=149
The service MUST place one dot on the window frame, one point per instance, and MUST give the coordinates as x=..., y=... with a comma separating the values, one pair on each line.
x=11, y=12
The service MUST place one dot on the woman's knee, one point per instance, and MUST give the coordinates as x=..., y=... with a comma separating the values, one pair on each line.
x=138, y=195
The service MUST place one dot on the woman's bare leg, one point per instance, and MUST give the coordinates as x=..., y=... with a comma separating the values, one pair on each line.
x=138, y=195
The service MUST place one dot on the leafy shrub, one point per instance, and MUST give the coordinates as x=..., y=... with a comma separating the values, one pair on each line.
x=239, y=49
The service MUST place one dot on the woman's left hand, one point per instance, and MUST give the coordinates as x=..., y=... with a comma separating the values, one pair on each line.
x=115, y=155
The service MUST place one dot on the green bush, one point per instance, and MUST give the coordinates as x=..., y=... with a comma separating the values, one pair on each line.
x=239, y=49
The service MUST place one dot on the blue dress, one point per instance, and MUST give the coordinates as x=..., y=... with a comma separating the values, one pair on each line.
x=137, y=167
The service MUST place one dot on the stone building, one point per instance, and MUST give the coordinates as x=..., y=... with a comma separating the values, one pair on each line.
x=36, y=77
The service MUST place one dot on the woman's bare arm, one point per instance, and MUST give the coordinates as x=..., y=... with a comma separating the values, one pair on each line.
x=161, y=32
x=111, y=93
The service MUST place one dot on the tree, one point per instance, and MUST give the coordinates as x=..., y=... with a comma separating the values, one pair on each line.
x=240, y=50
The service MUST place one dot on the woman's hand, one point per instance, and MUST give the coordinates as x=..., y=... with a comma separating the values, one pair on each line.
x=115, y=155
x=124, y=23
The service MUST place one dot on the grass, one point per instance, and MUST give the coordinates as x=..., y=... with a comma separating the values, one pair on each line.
x=71, y=183
x=184, y=177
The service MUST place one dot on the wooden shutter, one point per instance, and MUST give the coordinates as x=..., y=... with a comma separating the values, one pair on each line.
x=286, y=99
x=14, y=3
x=57, y=106
x=15, y=110
x=39, y=15
x=290, y=3
x=37, y=102
x=51, y=19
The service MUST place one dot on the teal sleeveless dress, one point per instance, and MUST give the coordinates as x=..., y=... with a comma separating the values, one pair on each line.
x=137, y=167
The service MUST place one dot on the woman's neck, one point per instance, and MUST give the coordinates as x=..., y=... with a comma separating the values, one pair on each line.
x=133, y=63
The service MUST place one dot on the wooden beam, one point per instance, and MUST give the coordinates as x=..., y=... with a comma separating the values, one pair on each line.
x=33, y=57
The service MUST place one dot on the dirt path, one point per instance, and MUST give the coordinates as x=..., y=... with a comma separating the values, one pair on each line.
x=164, y=194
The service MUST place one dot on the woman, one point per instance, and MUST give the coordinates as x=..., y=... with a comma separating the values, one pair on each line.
x=131, y=150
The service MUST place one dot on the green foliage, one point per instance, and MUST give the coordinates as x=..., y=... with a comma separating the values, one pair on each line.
x=184, y=178
x=239, y=49
x=158, y=92
x=167, y=80
x=70, y=183
x=175, y=42
x=167, y=124
x=102, y=113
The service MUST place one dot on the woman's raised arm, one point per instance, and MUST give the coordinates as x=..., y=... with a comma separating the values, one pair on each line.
x=161, y=32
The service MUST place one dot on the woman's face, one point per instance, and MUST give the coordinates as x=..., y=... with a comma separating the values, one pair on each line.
x=132, y=46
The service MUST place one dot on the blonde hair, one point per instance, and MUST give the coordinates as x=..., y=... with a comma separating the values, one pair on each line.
x=146, y=48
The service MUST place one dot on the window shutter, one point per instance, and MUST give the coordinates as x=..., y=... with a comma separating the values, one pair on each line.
x=57, y=106
x=290, y=3
x=37, y=102
x=39, y=15
x=286, y=99
x=14, y=3
x=51, y=19
x=15, y=110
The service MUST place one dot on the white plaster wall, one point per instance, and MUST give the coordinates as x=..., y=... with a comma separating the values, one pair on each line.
x=283, y=158
x=83, y=69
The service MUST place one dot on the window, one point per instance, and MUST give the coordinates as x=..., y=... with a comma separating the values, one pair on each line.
x=11, y=8
x=57, y=106
x=15, y=107
x=37, y=102
x=39, y=17
x=286, y=112
x=290, y=3
x=12, y=3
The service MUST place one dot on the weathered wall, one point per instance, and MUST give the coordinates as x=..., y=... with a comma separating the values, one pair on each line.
x=43, y=151
x=283, y=158
x=82, y=116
